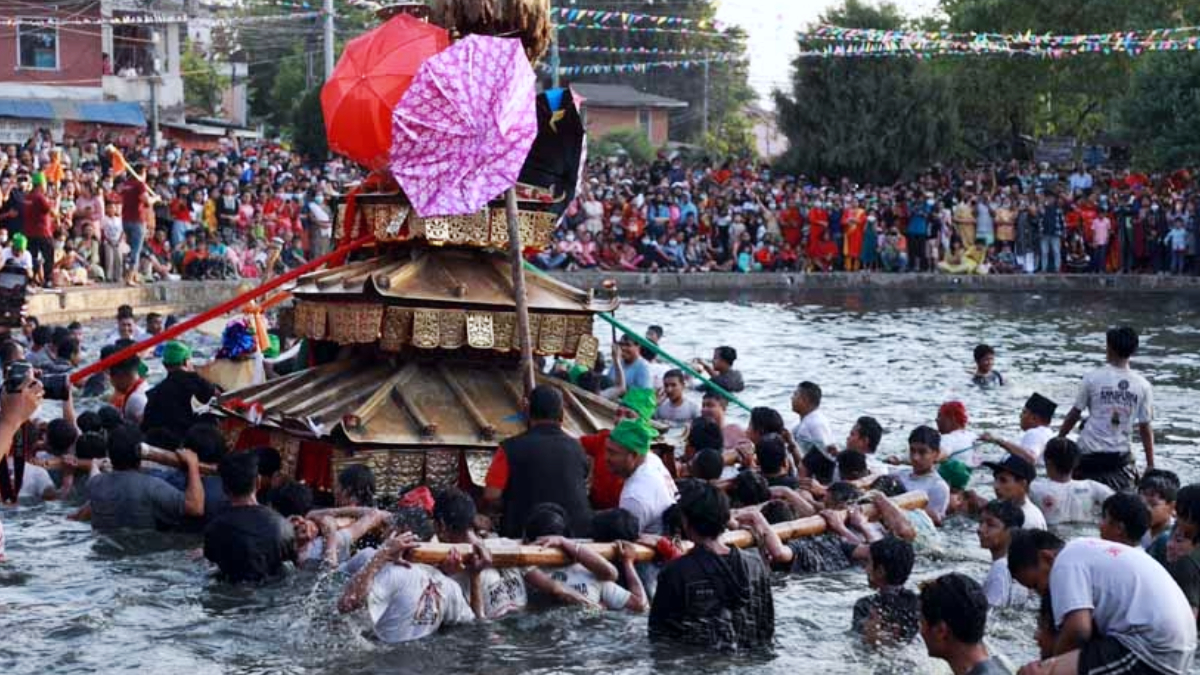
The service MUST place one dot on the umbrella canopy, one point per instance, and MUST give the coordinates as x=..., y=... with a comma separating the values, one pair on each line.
x=375, y=70
x=555, y=160
x=463, y=129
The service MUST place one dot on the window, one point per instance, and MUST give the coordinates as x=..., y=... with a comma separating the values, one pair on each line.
x=37, y=46
x=644, y=120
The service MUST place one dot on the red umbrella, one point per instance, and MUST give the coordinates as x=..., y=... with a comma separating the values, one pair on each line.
x=371, y=77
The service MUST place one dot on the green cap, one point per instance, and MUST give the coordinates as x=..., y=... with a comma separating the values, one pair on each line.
x=955, y=473
x=272, y=349
x=575, y=372
x=633, y=435
x=175, y=354
x=641, y=400
x=19, y=242
x=143, y=369
x=39, y=179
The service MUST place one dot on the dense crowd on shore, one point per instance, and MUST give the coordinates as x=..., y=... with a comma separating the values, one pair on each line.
x=1125, y=602
x=244, y=209
x=1011, y=218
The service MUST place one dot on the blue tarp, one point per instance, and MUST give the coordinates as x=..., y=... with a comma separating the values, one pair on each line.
x=110, y=112
x=26, y=109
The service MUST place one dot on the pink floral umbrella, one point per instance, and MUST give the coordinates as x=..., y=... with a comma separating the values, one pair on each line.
x=463, y=129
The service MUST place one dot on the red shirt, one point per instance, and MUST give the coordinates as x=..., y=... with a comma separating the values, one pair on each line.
x=606, y=486
x=131, y=202
x=38, y=224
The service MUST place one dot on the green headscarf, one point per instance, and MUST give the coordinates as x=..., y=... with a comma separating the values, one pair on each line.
x=575, y=372
x=272, y=349
x=634, y=435
x=39, y=179
x=19, y=242
x=175, y=354
x=641, y=400
x=956, y=474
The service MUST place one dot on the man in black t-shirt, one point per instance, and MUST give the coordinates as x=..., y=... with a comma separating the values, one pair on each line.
x=169, y=405
x=248, y=542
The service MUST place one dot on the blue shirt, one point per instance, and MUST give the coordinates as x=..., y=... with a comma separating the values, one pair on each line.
x=637, y=374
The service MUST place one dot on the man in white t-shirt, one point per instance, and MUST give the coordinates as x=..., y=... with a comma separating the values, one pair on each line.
x=676, y=409
x=1118, y=400
x=501, y=591
x=813, y=434
x=957, y=441
x=649, y=489
x=1116, y=609
x=36, y=484
x=997, y=522
x=923, y=450
x=405, y=601
x=1035, y=422
x=1061, y=498
x=1011, y=479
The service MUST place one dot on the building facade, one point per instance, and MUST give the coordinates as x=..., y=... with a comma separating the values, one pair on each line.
x=611, y=107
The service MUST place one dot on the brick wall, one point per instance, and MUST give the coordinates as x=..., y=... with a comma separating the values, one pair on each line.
x=602, y=121
x=79, y=50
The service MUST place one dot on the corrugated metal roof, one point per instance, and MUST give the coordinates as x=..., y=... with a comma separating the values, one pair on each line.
x=412, y=404
x=622, y=96
x=26, y=109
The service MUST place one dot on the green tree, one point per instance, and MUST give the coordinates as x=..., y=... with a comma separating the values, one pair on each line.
x=287, y=88
x=874, y=119
x=1161, y=113
x=728, y=88
x=308, y=126
x=202, y=86
x=631, y=142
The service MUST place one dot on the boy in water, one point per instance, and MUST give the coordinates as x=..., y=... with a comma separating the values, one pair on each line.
x=1061, y=498
x=923, y=452
x=1158, y=488
x=985, y=376
x=1011, y=483
x=676, y=409
x=1126, y=519
x=996, y=524
x=864, y=438
x=1035, y=422
x=953, y=620
x=891, y=615
x=1181, y=556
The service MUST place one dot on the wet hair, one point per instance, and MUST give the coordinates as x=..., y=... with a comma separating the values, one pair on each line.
x=841, y=492
x=1160, y=482
x=413, y=519
x=959, y=602
x=292, y=499
x=705, y=434
x=895, y=557
x=239, y=473
x=1187, y=505
x=870, y=429
x=983, y=351
x=1130, y=511
x=646, y=353
x=57, y=333
x=42, y=335
x=66, y=346
x=812, y=392
x=672, y=520
x=545, y=403
x=74, y=326
x=207, y=442
x=1123, y=341
x=657, y=330
x=711, y=394
x=91, y=445
x=818, y=466
x=708, y=464
x=1009, y=514
x=726, y=353
x=778, y=511
x=766, y=421
x=88, y=421
x=614, y=525
x=60, y=436
x=357, y=481
x=125, y=447
x=454, y=510
x=706, y=510
x=269, y=461
x=673, y=374
x=889, y=485
x=750, y=488
x=124, y=312
x=852, y=465
x=1026, y=544
x=926, y=435
x=771, y=453
x=1062, y=454
x=544, y=520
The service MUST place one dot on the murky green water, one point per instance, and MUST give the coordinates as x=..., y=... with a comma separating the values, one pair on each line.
x=72, y=602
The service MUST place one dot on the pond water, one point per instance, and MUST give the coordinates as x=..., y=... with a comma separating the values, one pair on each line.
x=73, y=602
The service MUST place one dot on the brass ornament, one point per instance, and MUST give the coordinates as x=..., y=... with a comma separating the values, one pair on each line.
x=441, y=468
x=504, y=330
x=397, y=329
x=426, y=331
x=480, y=330
x=587, y=351
x=452, y=328
x=552, y=336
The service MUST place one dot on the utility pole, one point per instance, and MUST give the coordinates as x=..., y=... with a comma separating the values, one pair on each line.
x=154, y=81
x=554, y=58
x=328, y=40
x=705, y=123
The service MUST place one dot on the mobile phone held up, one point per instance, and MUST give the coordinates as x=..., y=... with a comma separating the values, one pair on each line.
x=17, y=373
x=14, y=282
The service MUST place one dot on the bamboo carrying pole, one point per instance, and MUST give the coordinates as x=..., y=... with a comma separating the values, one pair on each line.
x=519, y=297
x=542, y=556
x=227, y=306
x=149, y=453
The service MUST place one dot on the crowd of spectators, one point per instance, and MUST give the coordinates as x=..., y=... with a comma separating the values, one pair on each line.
x=738, y=216
x=243, y=209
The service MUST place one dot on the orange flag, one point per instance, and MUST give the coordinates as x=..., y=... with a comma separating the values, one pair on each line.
x=119, y=163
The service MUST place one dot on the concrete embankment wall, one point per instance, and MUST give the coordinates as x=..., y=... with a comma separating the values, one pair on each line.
x=184, y=297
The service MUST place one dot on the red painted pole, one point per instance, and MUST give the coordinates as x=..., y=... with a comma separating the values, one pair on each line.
x=227, y=306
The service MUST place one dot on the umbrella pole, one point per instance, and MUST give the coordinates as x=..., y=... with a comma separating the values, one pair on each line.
x=519, y=298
